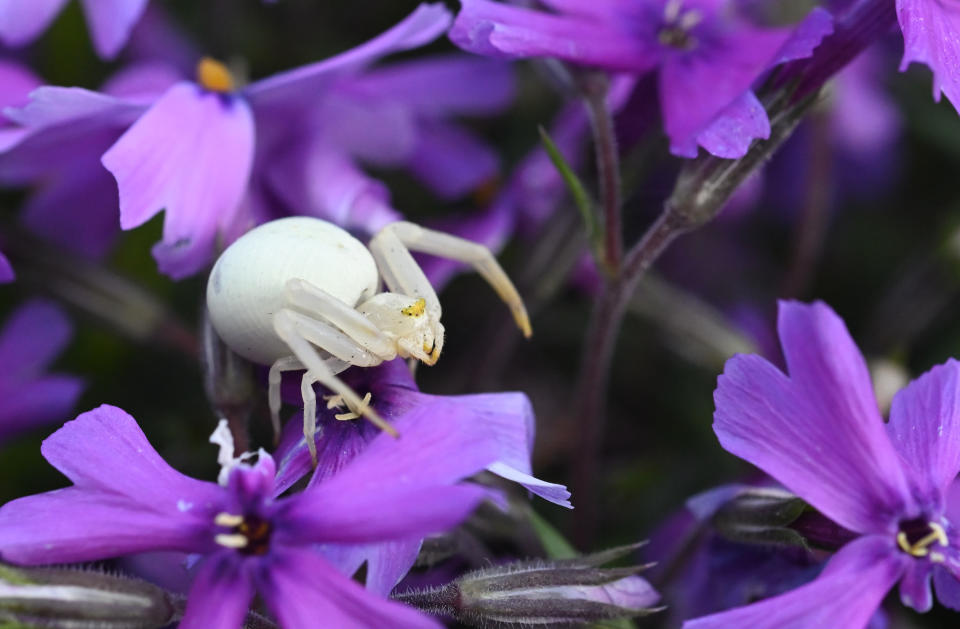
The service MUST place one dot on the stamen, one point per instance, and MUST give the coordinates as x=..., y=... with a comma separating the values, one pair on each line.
x=236, y=540
x=921, y=548
x=355, y=413
x=416, y=309
x=672, y=10
x=214, y=76
x=228, y=519
x=690, y=19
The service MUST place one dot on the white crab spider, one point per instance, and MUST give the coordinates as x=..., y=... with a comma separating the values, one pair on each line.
x=295, y=285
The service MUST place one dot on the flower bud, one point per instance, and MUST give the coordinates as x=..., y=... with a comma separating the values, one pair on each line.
x=60, y=598
x=542, y=592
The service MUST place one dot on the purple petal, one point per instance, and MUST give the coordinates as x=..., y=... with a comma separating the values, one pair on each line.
x=924, y=420
x=300, y=85
x=6, y=271
x=818, y=432
x=443, y=85
x=915, y=586
x=931, y=35
x=21, y=21
x=731, y=134
x=301, y=587
x=144, y=82
x=78, y=524
x=105, y=450
x=30, y=340
x=110, y=23
x=948, y=588
x=50, y=105
x=189, y=155
x=377, y=131
x=500, y=30
x=846, y=594
x=16, y=83
x=410, y=477
x=864, y=120
x=45, y=401
x=696, y=89
x=451, y=161
x=387, y=563
x=220, y=596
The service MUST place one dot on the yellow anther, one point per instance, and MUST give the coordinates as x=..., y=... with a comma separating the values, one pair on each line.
x=921, y=548
x=232, y=541
x=214, y=76
x=228, y=519
x=355, y=413
x=416, y=309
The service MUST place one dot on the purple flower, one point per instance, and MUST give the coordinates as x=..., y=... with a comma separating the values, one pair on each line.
x=6, y=271
x=125, y=499
x=507, y=416
x=110, y=21
x=707, y=56
x=931, y=35
x=818, y=432
x=31, y=339
x=74, y=203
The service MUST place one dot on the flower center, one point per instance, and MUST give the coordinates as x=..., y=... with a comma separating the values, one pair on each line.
x=214, y=76
x=249, y=535
x=918, y=535
x=677, y=25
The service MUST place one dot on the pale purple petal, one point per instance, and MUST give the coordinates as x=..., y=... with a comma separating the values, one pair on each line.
x=22, y=21
x=924, y=422
x=864, y=120
x=846, y=594
x=451, y=161
x=221, y=594
x=47, y=400
x=110, y=23
x=300, y=85
x=380, y=131
x=915, y=586
x=300, y=587
x=51, y=105
x=817, y=432
x=947, y=587
x=30, y=340
x=931, y=35
x=144, y=82
x=443, y=84
x=388, y=563
x=501, y=30
x=730, y=135
x=6, y=271
x=190, y=155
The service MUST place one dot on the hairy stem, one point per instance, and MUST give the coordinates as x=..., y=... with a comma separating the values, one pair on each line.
x=595, y=87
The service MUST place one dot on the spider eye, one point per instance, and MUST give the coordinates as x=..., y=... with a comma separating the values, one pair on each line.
x=416, y=309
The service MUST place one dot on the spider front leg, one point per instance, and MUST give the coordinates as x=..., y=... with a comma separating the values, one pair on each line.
x=301, y=333
x=391, y=248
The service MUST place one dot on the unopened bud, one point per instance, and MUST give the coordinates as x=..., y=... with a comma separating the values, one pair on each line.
x=542, y=592
x=60, y=598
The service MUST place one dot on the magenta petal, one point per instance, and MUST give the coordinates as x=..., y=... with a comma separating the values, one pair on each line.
x=818, y=432
x=730, y=135
x=105, y=450
x=220, y=596
x=451, y=161
x=110, y=23
x=31, y=338
x=931, y=35
x=924, y=422
x=501, y=30
x=846, y=594
x=21, y=21
x=426, y=23
x=6, y=271
x=189, y=155
x=301, y=587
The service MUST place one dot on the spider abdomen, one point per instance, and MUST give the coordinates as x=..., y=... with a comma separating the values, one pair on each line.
x=246, y=285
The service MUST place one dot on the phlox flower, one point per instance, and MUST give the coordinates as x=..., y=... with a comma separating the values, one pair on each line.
x=125, y=499
x=110, y=21
x=706, y=54
x=931, y=36
x=818, y=431
x=6, y=271
x=507, y=416
x=30, y=340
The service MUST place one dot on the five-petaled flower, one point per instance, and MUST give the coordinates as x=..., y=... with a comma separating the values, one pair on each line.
x=819, y=432
x=125, y=499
